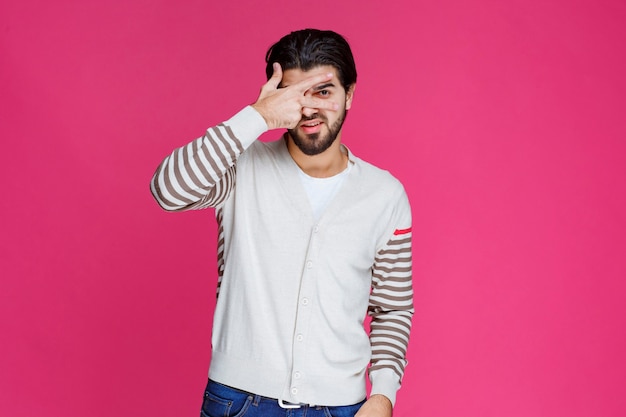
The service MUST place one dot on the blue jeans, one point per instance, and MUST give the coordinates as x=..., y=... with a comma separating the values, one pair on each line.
x=223, y=401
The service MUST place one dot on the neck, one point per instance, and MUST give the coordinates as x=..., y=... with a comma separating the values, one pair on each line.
x=326, y=164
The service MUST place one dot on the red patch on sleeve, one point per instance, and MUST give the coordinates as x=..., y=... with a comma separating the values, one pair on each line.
x=402, y=231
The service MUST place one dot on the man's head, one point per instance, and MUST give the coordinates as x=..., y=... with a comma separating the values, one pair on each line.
x=312, y=52
x=309, y=48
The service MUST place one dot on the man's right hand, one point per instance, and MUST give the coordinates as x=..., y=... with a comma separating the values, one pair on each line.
x=282, y=107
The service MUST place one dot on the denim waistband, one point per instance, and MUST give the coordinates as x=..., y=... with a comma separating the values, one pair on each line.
x=258, y=398
x=225, y=390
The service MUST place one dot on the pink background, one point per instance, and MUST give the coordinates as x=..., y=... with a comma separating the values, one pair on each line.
x=505, y=120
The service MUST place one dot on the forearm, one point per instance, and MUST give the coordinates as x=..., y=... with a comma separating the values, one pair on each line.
x=389, y=336
x=201, y=173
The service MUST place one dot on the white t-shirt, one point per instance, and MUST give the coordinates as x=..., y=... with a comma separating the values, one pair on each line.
x=322, y=190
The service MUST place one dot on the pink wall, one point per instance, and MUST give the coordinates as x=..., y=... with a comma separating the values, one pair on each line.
x=505, y=121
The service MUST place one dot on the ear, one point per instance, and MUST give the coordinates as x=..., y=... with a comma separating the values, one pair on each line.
x=349, y=96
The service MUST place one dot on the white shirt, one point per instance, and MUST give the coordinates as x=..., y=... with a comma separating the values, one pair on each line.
x=322, y=190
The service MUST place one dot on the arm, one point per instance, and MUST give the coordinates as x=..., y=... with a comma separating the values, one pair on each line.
x=391, y=309
x=202, y=173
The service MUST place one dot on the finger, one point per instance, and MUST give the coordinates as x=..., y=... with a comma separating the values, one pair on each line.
x=307, y=83
x=317, y=103
x=276, y=77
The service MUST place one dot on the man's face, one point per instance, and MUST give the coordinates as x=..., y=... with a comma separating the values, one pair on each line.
x=318, y=129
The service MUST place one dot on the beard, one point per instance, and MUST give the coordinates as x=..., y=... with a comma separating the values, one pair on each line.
x=317, y=143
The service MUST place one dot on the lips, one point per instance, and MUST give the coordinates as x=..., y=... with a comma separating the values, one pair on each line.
x=312, y=126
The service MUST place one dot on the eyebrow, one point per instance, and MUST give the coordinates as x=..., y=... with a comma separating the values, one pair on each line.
x=316, y=88
x=323, y=86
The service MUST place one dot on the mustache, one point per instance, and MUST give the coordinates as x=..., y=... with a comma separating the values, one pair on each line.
x=312, y=117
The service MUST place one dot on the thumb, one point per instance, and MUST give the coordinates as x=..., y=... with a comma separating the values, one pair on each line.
x=277, y=76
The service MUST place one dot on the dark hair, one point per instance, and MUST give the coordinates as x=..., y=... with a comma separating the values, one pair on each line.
x=309, y=48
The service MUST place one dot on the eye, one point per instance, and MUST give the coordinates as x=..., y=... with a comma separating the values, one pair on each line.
x=323, y=93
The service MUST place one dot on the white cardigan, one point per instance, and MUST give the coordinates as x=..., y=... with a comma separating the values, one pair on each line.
x=293, y=292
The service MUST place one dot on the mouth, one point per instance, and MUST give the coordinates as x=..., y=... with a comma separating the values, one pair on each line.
x=310, y=127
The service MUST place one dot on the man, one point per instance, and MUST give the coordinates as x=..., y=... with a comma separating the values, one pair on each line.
x=311, y=238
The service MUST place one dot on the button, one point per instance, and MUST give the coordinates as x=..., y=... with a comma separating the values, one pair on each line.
x=297, y=375
x=305, y=301
x=316, y=229
x=309, y=264
x=299, y=338
x=294, y=391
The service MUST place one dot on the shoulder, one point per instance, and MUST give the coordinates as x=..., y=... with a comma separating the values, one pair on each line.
x=263, y=154
x=377, y=179
x=261, y=149
x=384, y=193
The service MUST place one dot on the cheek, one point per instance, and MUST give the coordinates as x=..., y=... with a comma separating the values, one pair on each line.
x=342, y=105
x=331, y=117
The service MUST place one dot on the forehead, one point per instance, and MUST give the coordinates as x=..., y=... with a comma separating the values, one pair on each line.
x=292, y=76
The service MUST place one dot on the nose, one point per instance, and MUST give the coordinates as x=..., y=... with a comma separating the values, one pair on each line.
x=308, y=111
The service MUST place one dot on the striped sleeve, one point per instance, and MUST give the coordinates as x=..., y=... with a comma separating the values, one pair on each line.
x=202, y=173
x=391, y=309
x=219, y=215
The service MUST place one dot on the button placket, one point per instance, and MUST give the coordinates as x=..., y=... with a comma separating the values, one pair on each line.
x=306, y=298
